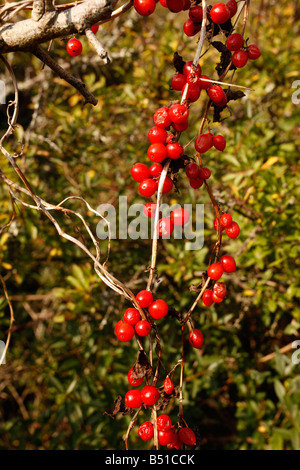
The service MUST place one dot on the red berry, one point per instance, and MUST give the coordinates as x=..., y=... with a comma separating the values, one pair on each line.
x=146, y=431
x=181, y=127
x=216, y=298
x=132, y=381
x=149, y=395
x=163, y=3
x=95, y=28
x=219, y=142
x=165, y=437
x=155, y=170
x=149, y=209
x=157, y=135
x=204, y=85
x=131, y=316
x=161, y=117
x=196, y=13
x=192, y=170
x=174, y=150
x=207, y=298
x=74, y=47
x=193, y=91
x=147, y=187
x=217, y=95
x=144, y=298
x=143, y=328
x=187, y=436
x=165, y=227
x=205, y=173
x=196, y=339
x=168, y=385
x=175, y=5
x=253, y=52
x=133, y=399
x=176, y=443
x=196, y=183
x=228, y=264
x=232, y=230
x=157, y=152
x=220, y=289
x=168, y=185
x=203, y=142
x=220, y=13
x=164, y=422
x=178, y=81
x=240, y=58
x=124, y=331
x=139, y=172
x=178, y=113
x=171, y=137
x=226, y=220
x=234, y=42
x=216, y=224
x=232, y=5
x=180, y=217
x=190, y=28
x=188, y=68
x=215, y=271
x=144, y=7
x=158, y=309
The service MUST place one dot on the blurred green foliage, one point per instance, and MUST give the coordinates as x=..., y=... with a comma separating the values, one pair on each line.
x=64, y=366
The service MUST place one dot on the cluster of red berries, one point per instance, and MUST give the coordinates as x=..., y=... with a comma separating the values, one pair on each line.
x=235, y=43
x=74, y=46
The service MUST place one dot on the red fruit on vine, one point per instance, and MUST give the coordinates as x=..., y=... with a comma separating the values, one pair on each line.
x=165, y=227
x=146, y=431
x=155, y=170
x=144, y=7
x=203, y=142
x=180, y=217
x=157, y=152
x=216, y=224
x=240, y=58
x=228, y=263
x=220, y=13
x=139, y=172
x=175, y=5
x=216, y=298
x=168, y=185
x=157, y=135
x=233, y=230
x=215, y=271
x=124, y=331
x=190, y=28
x=178, y=81
x=187, y=436
x=232, y=5
x=205, y=173
x=149, y=209
x=196, y=13
x=219, y=142
x=193, y=91
x=174, y=150
x=144, y=298
x=253, y=52
x=158, y=309
x=132, y=381
x=178, y=113
x=204, y=85
x=149, y=395
x=217, y=95
x=163, y=422
x=196, y=183
x=220, y=289
x=207, y=298
x=193, y=77
x=165, y=437
x=147, y=187
x=196, y=339
x=188, y=68
x=181, y=127
x=161, y=117
x=168, y=385
x=192, y=170
x=131, y=316
x=74, y=47
x=133, y=399
x=225, y=220
x=95, y=28
x=234, y=42
x=143, y=328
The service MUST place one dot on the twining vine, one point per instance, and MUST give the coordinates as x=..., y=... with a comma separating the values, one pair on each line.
x=150, y=388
